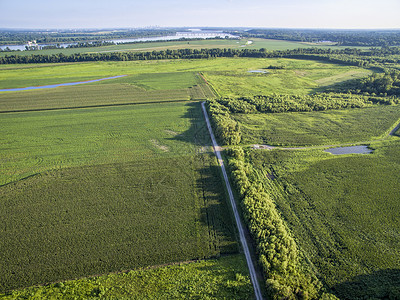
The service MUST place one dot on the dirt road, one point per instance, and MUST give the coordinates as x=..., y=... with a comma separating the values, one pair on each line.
x=217, y=151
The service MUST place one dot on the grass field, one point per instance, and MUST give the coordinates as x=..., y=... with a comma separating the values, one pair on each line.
x=141, y=88
x=343, y=212
x=199, y=44
x=298, y=77
x=318, y=128
x=86, y=185
x=211, y=279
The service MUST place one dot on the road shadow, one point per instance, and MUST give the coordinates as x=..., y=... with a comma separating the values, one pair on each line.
x=382, y=284
x=215, y=212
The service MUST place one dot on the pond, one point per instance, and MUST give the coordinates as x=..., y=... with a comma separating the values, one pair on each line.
x=57, y=85
x=350, y=150
x=257, y=71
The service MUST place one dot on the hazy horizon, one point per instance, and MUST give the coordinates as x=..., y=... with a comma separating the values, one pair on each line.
x=284, y=14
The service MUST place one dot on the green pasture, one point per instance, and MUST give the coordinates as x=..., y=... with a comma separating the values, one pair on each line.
x=229, y=76
x=318, y=128
x=107, y=189
x=138, y=88
x=299, y=77
x=211, y=279
x=344, y=214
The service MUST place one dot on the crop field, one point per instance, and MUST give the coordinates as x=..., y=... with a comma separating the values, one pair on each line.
x=86, y=184
x=343, y=212
x=211, y=279
x=130, y=90
x=318, y=128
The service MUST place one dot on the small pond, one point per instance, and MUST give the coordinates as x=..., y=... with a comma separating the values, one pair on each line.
x=257, y=71
x=349, y=150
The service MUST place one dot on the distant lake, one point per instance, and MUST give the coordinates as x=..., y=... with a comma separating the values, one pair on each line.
x=179, y=35
x=349, y=150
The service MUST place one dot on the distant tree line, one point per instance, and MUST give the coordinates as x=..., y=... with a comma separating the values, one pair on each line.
x=341, y=37
x=373, y=57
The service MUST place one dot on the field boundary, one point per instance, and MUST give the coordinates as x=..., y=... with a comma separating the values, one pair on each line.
x=93, y=106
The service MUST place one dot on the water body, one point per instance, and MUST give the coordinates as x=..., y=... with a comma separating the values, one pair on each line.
x=51, y=86
x=179, y=35
x=257, y=71
x=350, y=150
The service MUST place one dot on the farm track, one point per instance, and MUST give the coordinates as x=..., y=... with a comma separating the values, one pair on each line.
x=243, y=241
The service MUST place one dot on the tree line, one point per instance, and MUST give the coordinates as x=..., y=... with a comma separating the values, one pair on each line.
x=344, y=56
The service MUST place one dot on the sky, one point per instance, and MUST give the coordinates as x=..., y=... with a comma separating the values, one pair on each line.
x=335, y=14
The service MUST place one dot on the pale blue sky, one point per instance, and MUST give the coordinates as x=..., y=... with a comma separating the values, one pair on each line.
x=221, y=13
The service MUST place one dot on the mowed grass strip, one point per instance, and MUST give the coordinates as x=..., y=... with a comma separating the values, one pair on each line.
x=318, y=128
x=82, y=221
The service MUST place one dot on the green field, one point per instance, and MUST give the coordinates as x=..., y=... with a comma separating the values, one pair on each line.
x=210, y=279
x=343, y=212
x=299, y=77
x=199, y=44
x=112, y=187
x=86, y=185
x=318, y=128
x=133, y=89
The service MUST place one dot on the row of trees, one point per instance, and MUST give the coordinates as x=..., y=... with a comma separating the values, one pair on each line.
x=347, y=56
x=226, y=129
x=373, y=58
x=301, y=103
x=286, y=276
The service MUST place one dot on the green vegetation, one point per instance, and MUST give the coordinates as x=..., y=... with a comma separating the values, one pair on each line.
x=252, y=43
x=34, y=142
x=298, y=77
x=137, y=88
x=343, y=212
x=101, y=189
x=222, y=278
x=86, y=185
x=286, y=276
x=318, y=128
